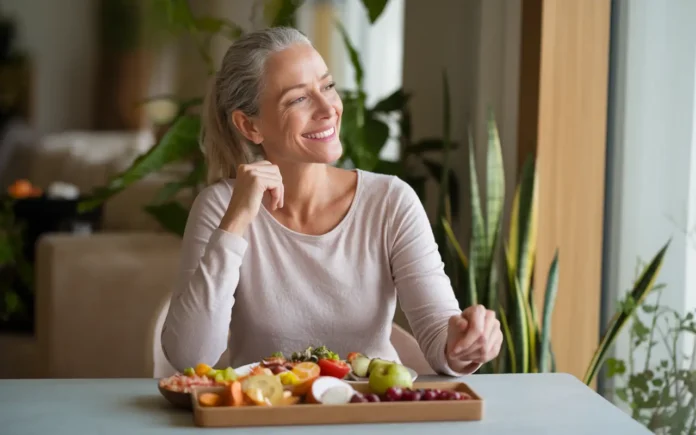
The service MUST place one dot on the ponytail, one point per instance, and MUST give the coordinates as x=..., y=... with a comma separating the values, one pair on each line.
x=236, y=87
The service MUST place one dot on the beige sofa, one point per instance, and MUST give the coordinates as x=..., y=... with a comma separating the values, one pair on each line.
x=95, y=292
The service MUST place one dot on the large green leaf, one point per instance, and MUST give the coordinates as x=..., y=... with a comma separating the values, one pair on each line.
x=436, y=170
x=392, y=103
x=495, y=201
x=523, y=226
x=194, y=179
x=520, y=316
x=281, y=12
x=179, y=143
x=171, y=215
x=376, y=134
x=480, y=256
x=549, y=303
x=221, y=26
x=637, y=295
x=353, y=55
x=374, y=8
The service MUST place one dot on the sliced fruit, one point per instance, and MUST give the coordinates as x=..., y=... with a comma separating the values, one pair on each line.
x=230, y=374
x=307, y=370
x=212, y=373
x=233, y=395
x=189, y=371
x=336, y=368
x=202, y=369
x=289, y=378
x=360, y=366
x=351, y=356
x=209, y=399
x=220, y=378
x=263, y=388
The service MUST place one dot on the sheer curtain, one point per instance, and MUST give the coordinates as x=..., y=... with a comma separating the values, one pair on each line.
x=380, y=46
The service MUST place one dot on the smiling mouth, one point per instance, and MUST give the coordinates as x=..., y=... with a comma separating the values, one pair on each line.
x=322, y=135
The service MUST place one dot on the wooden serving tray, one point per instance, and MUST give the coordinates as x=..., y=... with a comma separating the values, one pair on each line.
x=351, y=413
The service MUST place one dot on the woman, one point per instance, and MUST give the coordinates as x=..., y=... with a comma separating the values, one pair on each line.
x=284, y=251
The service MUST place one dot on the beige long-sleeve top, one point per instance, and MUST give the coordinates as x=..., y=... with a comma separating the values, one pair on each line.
x=278, y=290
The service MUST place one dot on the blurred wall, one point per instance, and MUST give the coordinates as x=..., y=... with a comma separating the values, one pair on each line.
x=60, y=36
x=477, y=42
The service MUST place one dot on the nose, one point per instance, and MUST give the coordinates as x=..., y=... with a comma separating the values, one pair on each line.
x=324, y=108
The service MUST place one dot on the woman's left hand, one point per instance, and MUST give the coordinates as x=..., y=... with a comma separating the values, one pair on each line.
x=473, y=338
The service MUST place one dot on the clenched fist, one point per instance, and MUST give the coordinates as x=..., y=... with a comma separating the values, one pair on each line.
x=256, y=183
x=473, y=338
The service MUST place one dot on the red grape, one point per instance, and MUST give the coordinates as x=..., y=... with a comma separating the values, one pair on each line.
x=393, y=394
x=372, y=397
x=358, y=398
x=455, y=395
x=444, y=395
x=429, y=395
x=410, y=396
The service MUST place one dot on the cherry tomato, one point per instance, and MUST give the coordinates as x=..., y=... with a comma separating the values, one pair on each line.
x=331, y=367
x=351, y=356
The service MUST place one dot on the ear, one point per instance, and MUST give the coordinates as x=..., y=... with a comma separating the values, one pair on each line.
x=247, y=127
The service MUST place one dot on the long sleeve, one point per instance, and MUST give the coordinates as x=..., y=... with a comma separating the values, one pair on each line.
x=424, y=290
x=197, y=324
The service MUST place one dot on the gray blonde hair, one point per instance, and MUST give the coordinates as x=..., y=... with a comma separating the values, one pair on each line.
x=236, y=86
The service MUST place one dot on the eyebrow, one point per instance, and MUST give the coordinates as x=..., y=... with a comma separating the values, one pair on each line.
x=301, y=85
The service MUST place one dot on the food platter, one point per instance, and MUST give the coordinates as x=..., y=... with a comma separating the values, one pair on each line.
x=316, y=386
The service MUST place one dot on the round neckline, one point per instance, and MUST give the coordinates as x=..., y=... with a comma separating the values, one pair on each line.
x=334, y=230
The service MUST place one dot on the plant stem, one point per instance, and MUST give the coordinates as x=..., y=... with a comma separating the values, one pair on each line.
x=652, y=329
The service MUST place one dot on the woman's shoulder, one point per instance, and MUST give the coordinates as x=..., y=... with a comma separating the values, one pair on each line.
x=387, y=189
x=214, y=198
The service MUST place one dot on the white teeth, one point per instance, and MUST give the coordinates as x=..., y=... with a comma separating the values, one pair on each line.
x=320, y=135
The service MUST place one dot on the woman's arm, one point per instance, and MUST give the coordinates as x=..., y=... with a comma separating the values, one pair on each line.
x=424, y=290
x=197, y=324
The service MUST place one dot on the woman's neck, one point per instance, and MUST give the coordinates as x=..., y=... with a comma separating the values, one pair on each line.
x=306, y=189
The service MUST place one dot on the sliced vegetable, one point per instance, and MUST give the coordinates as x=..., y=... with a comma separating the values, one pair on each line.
x=335, y=368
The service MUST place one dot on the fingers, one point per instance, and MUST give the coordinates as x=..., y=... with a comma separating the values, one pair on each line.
x=481, y=339
x=475, y=316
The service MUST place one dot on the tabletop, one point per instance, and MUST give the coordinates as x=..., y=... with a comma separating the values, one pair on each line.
x=519, y=404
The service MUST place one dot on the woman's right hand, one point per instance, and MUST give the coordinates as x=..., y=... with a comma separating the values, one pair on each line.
x=256, y=183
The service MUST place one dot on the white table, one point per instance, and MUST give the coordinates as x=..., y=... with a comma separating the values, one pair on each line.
x=532, y=404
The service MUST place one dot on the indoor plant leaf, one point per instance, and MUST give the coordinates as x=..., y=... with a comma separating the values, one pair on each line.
x=637, y=295
x=479, y=258
x=549, y=303
x=394, y=102
x=353, y=55
x=171, y=215
x=374, y=8
x=180, y=142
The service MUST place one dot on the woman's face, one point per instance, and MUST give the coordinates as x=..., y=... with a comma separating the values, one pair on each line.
x=300, y=109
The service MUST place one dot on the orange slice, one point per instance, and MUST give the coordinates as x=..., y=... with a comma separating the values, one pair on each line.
x=306, y=371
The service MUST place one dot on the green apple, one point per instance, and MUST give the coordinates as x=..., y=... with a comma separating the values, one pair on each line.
x=212, y=373
x=189, y=371
x=375, y=363
x=385, y=376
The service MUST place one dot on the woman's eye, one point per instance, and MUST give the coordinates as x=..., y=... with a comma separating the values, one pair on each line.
x=298, y=100
x=331, y=85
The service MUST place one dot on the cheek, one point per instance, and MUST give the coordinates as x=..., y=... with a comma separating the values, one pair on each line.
x=338, y=105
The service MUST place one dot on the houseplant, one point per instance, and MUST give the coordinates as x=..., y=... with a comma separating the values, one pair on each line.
x=660, y=394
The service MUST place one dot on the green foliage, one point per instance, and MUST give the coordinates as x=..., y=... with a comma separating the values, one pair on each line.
x=660, y=394
x=16, y=273
x=475, y=278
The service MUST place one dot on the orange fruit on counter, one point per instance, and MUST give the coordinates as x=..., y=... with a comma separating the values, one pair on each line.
x=21, y=189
